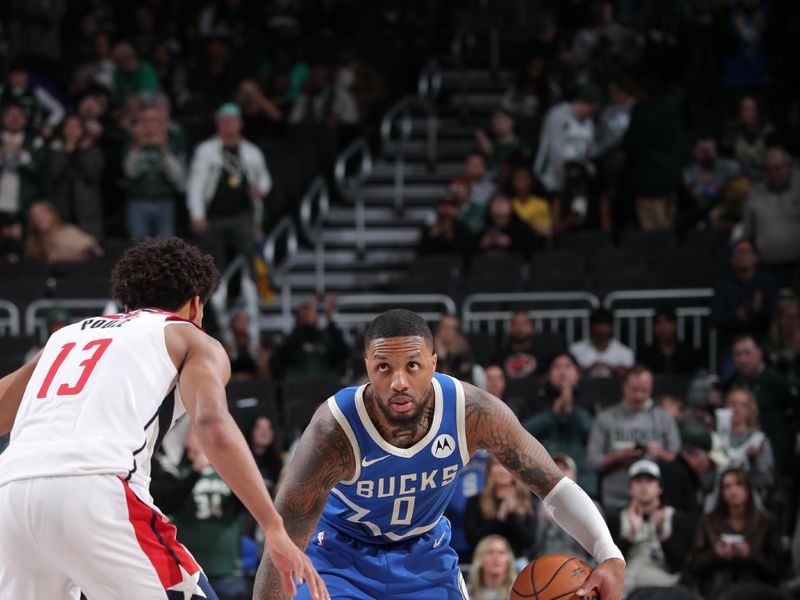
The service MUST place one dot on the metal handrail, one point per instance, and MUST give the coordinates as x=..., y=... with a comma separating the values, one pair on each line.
x=375, y=304
x=13, y=319
x=350, y=187
x=401, y=114
x=669, y=294
x=285, y=227
x=312, y=230
x=429, y=83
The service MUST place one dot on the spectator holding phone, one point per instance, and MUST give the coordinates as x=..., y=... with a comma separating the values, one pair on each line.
x=736, y=542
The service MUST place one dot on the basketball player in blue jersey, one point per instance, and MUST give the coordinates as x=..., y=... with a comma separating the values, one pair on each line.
x=375, y=469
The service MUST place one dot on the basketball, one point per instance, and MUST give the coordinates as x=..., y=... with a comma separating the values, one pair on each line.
x=550, y=577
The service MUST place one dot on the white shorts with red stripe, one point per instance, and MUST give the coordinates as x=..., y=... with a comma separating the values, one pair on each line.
x=91, y=533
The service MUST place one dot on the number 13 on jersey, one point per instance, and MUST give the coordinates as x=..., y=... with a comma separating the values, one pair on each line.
x=88, y=365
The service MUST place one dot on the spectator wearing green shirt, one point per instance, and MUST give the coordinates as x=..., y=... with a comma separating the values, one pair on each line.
x=132, y=75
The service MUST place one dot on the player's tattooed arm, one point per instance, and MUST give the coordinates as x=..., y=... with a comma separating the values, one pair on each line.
x=492, y=426
x=322, y=459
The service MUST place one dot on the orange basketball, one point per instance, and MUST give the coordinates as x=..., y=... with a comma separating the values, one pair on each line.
x=550, y=577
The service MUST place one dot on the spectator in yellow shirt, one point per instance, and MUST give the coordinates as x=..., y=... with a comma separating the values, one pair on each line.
x=532, y=209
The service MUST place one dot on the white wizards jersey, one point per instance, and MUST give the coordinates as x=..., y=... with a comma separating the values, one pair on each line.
x=100, y=400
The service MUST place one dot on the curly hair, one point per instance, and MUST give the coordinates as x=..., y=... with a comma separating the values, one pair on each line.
x=163, y=273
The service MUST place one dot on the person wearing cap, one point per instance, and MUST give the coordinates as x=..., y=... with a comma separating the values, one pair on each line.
x=626, y=432
x=667, y=353
x=654, y=538
x=567, y=134
x=228, y=181
x=601, y=355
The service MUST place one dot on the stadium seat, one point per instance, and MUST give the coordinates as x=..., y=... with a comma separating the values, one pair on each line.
x=672, y=384
x=16, y=344
x=648, y=242
x=558, y=259
x=614, y=258
x=597, y=393
x=557, y=281
x=301, y=398
x=707, y=240
x=522, y=396
x=584, y=242
x=483, y=345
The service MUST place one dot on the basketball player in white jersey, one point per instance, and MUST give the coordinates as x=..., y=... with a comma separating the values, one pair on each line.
x=86, y=416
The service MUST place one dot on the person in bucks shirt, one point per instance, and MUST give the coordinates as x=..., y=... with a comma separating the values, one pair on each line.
x=372, y=474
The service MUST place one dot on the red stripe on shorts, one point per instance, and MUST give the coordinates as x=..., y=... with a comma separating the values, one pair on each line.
x=156, y=537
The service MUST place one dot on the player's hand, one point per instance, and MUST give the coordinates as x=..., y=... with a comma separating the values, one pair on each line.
x=292, y=564
x=606, y=580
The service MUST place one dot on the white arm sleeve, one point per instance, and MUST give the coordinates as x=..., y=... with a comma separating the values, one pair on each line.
x=575, y=512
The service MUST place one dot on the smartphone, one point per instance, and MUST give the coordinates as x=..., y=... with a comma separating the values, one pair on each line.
x=732, y=538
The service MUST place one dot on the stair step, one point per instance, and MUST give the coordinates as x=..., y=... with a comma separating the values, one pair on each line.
x=346, y=281
x=417, y=171
x=349, y=258
x=380, y=237
x=428, y=190
x=345, y=215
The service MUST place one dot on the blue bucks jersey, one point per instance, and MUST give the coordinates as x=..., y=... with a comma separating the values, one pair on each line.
x=397, y=493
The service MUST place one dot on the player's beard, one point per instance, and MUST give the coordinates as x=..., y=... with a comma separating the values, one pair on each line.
x=408, y=420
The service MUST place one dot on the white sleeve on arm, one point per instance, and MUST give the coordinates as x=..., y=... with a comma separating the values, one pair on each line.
x=575, y=512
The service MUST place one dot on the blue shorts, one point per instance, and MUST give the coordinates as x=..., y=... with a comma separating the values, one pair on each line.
x=423, y=568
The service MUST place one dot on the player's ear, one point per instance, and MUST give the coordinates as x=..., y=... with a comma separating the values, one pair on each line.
x=434, y=358
x=196, y=309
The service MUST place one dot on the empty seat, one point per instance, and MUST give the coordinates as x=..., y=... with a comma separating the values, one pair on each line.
x=597, y=393
x=584, y=242
x=522, y=396
x=449, y=265
x=483, y=346
x=16, y=344
x=508, y=264
x=648, y=242
x=250, y=398
x=630, y=278
x=614, y=258
x=557, y=281
x=558, y=260
x=672, y=384
x=493, y=282
x=707, y=240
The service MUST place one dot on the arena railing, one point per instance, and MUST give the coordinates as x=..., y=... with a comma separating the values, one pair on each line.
x=9, y=318
x=314, y=208
x=280, y=265
x=350, y=182
x=634, y=311
x=564, y=312
x=36, y=320
x=355, y=311
x=397, y=127
x=429, y=83
x=238, y=267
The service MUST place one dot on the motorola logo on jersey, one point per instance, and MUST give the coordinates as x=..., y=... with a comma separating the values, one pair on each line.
x=443, y=446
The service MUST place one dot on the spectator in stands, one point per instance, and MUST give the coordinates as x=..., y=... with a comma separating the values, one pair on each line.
x=746, y=64
x=567, y=134
x=627, y=432
x=668, y=354
x=493, y=569
x=132, y=75
x=250, y=359
x=526, y=99
x=208, y=512
x=615, y=118
x=495, y=380
x=228, y=181
x=172, y=75
x=259, y=112
x=601, y=355
x=654, y=149
x=11, y=247
x=772, y=391
x=453, y=354
x=176, y=135
x=504, y=507
x=532, y=210
x=43, y=111
x=324, y=101
x=743, y=299
x=73, y=177
x=752, y=135
x=772, y=216
x=311, y=351
x=578, y=207
x=214, y=79
x=706, y=174
x=522, y=356
x=447, y=235
x=549, y=537
x=364, y=83
x=154, y=174
x=564, y=426
x=504, y=232
x=282, y=76
x=599, y=43
x=20, y=160
x=673, y=406
x=728, y=211
x=690, y=476
x=473, y=211
x=653, y=536
x=783, y=344
x=747, y=446
x=502, y=142
x=52, y=240
x=261, y=437
x=737, y=542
